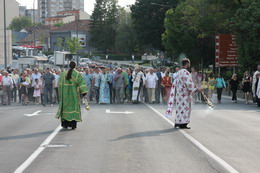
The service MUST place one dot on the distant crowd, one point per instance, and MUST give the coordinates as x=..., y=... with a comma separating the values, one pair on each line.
x=110, y=86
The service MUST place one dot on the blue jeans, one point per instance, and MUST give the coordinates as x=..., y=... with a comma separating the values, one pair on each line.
x=48, y=92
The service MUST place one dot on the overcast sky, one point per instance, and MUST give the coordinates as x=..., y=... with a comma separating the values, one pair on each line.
x=89, y=4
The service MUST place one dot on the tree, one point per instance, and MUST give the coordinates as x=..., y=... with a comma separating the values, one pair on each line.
x=42, y=40
x=59, y=43
x=73, y=45
x=191, y=28
x=148, y=21
x=59, y=24
x=104, y=25
x=246, y=26
x=18, y=23
x=125, y=37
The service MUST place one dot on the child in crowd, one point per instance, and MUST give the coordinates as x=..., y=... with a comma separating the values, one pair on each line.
x=37, y=91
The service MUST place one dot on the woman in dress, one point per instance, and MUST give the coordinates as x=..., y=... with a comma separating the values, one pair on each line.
x=234, y=87
x=167, y=85
x=104, y=91
x=204, y=85
x=24, y=88
x=211, y=82
x=129, y=87
x=246, y=85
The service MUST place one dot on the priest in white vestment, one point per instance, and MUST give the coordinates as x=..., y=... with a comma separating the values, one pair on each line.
x=183, y=93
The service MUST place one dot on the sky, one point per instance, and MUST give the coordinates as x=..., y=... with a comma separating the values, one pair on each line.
x=89, y=4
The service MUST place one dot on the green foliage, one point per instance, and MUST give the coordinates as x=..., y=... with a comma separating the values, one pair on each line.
x=59, y=43
x=18, y=23
x=39, y=24
x=119, y=57
x=73, y=45
x=125, y=36
x=227, y=75
x=191, y=29
x=148, y=17
x=59, y=24
x=192, y=25
x=246, y=26
x=104, y=25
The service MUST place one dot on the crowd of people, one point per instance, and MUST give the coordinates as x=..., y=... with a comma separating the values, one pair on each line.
x=118, y=85
x=30, y=86
x=209, y=83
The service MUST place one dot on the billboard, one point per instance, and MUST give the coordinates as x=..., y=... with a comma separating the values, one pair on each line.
x=226, y=51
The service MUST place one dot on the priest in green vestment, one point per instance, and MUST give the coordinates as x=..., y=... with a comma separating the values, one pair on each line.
x=71, y=87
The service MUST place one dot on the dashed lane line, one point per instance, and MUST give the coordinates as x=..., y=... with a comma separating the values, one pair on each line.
x=38, y=151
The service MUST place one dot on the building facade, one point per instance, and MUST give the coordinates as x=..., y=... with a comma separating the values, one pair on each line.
x=77, y=29
x=49, y=8
x=67, y=17
x=10, y=14
x=33, y=14
x=22, y=10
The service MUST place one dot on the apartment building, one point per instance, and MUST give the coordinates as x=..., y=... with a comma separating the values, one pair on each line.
x=49, y=8
x=10, y=14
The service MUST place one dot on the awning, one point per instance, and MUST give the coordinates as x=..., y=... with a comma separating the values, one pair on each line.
x=31, y=46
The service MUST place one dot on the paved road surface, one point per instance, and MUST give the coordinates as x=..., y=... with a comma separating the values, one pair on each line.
x=128, y=143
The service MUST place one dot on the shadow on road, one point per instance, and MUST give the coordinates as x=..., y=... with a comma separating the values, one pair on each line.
x=146, y=134
x=32, y=135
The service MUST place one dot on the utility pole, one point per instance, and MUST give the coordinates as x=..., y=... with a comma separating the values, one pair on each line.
x=34, y=27
x=5, y=47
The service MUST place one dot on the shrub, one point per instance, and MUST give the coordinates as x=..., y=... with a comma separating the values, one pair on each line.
x=118, y=57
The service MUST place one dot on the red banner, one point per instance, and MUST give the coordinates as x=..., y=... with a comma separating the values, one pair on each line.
x=226, y=51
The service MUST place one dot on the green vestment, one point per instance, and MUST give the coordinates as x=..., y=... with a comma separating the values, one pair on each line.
x=69, y=94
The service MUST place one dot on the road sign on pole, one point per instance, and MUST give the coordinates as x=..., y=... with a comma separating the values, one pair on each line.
x=226, y=51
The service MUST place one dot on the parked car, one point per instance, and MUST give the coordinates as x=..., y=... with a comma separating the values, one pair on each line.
x=162, y=62
x=51, y=60
x=49, y=56
x=84, y=61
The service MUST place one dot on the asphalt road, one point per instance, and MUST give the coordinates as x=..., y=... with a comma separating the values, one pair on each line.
x=141, y=142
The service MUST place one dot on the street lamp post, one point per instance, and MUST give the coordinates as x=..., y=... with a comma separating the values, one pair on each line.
x=5, y=42
x=77, y=37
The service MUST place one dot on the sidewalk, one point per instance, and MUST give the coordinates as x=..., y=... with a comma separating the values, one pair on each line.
x=240, y=95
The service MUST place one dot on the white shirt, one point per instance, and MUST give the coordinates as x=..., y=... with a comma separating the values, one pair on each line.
x=163, y=74
x=15, y=77
x=56, y=80
x=7, y=81
x=258, y=89
x=35, y=76
x=151, y=80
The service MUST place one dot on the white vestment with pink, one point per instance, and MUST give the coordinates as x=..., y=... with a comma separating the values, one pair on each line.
x=182, y=89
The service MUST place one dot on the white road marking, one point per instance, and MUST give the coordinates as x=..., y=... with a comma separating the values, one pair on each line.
x=201, y=147
x=38, y=151
x=56, y=146
x=33, y=114
x=108, y=111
